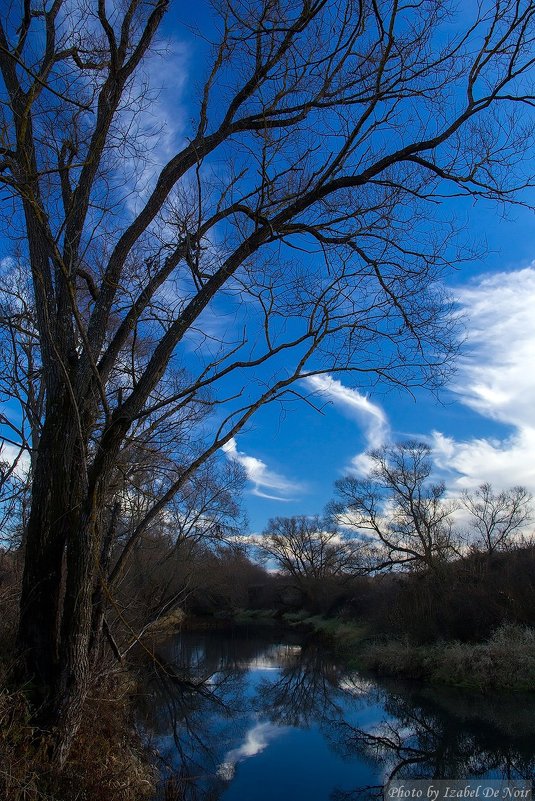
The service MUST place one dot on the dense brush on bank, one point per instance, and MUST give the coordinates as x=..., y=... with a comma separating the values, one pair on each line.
x=467, y=601
x=506, y=661
x=107, y=762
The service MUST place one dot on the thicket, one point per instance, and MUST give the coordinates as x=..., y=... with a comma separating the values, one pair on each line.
x=467, y=601
x=470, y=598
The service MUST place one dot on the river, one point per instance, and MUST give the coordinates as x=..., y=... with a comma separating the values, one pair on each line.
x=259, y=716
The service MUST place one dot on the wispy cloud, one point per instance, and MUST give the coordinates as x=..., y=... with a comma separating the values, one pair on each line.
x=369, y=416
x=256, y=740
x=154, y=117
x=497, y=380
x=266, y=483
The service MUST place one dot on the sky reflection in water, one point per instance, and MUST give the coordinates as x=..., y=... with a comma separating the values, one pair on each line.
x=247, y=718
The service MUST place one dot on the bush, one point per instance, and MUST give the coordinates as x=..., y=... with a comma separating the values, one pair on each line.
x=506, y=661
x=468, y=600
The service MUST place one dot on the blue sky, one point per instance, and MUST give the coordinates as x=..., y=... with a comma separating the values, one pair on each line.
x=482, y=427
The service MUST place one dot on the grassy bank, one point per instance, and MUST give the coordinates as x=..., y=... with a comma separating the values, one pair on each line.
x=345, y=636
x=506, y=661
x=108, y=760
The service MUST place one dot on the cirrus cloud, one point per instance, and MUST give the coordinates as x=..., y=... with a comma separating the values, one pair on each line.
x=266, y=483
x=497, y=380
x=370, y=416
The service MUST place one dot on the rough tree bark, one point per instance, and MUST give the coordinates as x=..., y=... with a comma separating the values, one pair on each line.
x=331, y=242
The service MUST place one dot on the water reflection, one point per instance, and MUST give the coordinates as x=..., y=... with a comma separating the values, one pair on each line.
x=239, y=717
x=442, y=734
x=307, y=690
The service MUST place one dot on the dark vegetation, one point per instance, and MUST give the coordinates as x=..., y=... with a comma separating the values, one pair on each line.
x=398, y=551
x=417, y=569
x=472, y=626
x=474, y=596
x=107, y=760
x=119, y=389
x=471, y=622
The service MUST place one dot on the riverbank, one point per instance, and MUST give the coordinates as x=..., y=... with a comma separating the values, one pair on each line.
x=108, y=759
x=504, y=662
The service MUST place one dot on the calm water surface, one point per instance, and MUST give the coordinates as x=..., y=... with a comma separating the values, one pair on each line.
x=243, y=716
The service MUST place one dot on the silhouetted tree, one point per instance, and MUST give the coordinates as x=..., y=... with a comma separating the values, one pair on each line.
x=118, y=249
x=495, y=517
x=398, y=507
x=318, y=559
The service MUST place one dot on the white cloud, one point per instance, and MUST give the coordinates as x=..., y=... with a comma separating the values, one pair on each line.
x=265, y=482
x=256, y=740
x=496, y=379
x=9, y=453
x=368, y=415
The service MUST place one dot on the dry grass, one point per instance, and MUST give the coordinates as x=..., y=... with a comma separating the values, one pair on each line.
x=506, y=661
x=21, y=763
x=107, y=762
x=168, y=623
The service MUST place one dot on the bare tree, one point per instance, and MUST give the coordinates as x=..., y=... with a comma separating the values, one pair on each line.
x=149, y=575
x=252, y=255
x=404, y=514
x=13, y=488
x=21, y=399
x=316, y=557
x=304, y=547
x=495, y=517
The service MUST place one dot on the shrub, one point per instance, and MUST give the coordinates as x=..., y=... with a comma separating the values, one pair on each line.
x=107, y=760
x=506, y=661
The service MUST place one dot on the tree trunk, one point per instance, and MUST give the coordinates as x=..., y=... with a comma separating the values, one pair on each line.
x=99, y=594
x=77, y=632
x=54, y=512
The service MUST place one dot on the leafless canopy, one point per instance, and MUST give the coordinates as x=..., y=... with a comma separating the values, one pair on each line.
x=399, y=507
x=307, y=548
x=294, y=228
x=495, y=517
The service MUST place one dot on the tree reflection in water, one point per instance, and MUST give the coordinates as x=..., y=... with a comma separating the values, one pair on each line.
x=214, y=701
x=439, y=734
x=194, y=692
x=308, y=690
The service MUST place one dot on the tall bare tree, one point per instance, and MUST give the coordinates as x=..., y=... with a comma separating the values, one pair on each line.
x=399, y=508
x=495, y=517
x=312, y=554
x=295, y=229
